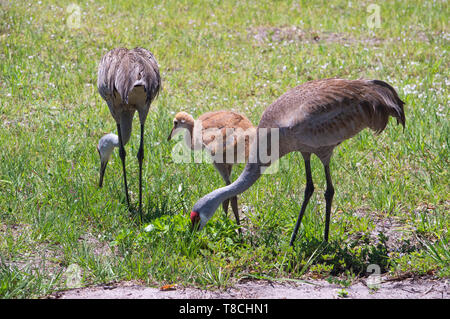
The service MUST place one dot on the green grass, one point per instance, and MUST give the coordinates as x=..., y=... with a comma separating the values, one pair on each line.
x=216, y=55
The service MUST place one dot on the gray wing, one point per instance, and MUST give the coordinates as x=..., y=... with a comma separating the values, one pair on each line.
x=327, y=112
x=106, y=72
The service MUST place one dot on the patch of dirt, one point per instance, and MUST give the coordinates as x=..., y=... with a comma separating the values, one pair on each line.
x=400, y=236
x=44, y=255
x=291, y=34
x=274, y=34
x=318, y=289
x=262, y=35
x=39, y=256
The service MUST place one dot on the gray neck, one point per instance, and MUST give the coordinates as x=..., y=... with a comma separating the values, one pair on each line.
x=208, y=204
x=126, y=125
x=248, y=177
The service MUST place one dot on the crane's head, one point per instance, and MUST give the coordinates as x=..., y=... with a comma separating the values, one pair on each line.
x=204, y=209
x=181, y=120
x=105, y=148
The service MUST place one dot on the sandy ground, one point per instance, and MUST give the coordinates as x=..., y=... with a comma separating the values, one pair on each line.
x=319, y=289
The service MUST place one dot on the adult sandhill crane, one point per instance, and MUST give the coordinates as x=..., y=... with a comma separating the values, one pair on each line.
x=128, y=80
x=235, y=132
x=312, y=118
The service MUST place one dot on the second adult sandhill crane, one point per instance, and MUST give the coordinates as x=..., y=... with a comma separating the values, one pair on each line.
x=221, y=133
x=312, y=118
x=128, y=80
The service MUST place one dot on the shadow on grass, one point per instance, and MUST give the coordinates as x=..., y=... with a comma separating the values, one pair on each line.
x=154, y=208
x=337, y=257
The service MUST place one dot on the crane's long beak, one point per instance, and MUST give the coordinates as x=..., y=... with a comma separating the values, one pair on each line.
x=171, y=133
x=102, y=173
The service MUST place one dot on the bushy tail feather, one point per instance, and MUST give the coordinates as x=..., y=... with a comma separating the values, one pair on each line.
x=140, y=69
x=120, y=70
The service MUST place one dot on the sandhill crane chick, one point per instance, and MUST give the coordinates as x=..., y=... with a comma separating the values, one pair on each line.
x=220, y=133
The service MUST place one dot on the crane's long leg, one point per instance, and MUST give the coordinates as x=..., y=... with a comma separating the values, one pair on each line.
x=234, y=204
x=140, y=157
x=122, y=155
x=225, y=171
x=226, y=203
x=329, y=193
x=309, y=190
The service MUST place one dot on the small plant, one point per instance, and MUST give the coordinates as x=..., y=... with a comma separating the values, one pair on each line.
x=342, y=293
x=439, y=251
x=343, y=282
